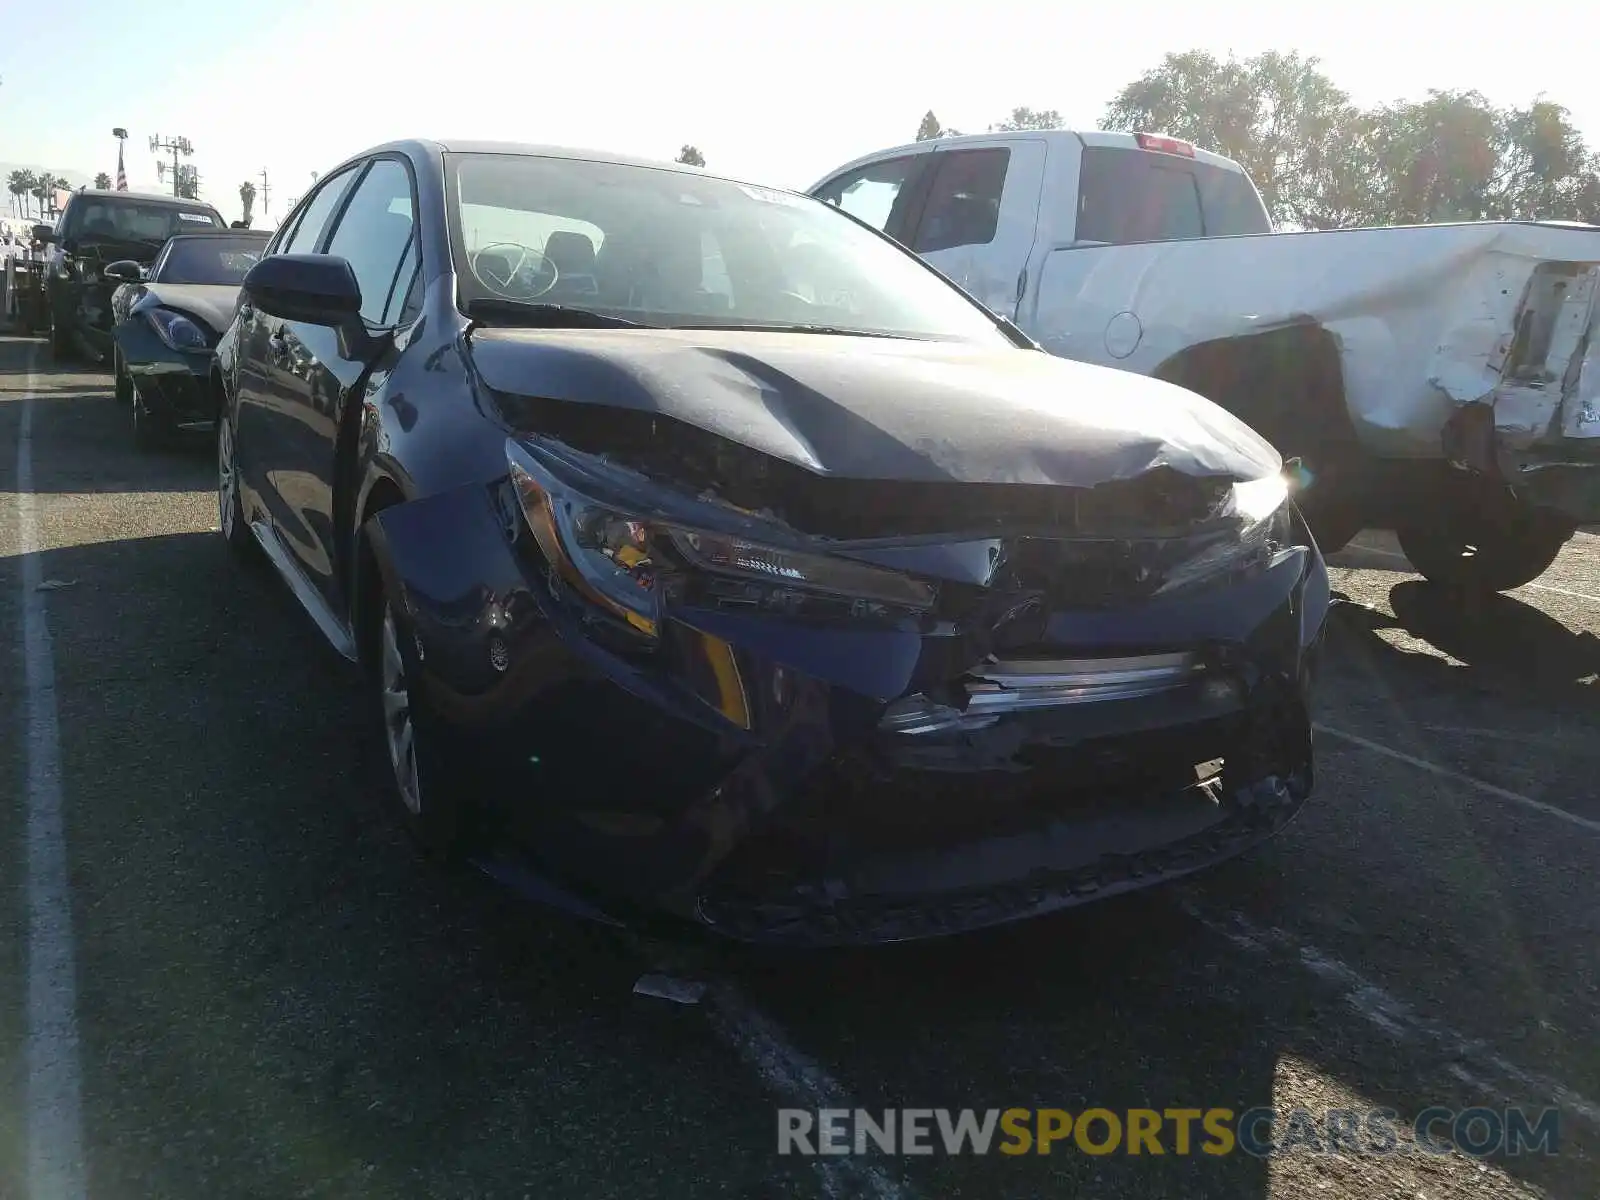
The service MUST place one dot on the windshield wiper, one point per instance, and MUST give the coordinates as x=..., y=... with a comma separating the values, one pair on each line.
x=833, y=330
x=495, y=310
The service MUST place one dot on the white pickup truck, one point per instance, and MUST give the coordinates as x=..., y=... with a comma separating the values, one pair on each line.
x=1439, y=380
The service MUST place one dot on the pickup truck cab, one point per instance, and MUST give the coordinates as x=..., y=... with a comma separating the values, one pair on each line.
x=1439, y=380
x=95, y=229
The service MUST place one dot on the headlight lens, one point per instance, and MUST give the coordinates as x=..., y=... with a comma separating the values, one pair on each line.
x=624, y=562
x=176, y=330
x=1256, y=514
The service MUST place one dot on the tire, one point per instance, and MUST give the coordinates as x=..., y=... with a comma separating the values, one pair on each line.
x=412, y=763
x=230, y=510
x=123, y=389
x=153, y=432
x=61, y=347
x=1468, y=553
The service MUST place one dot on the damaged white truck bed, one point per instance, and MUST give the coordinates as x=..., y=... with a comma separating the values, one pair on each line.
x=1440, y=380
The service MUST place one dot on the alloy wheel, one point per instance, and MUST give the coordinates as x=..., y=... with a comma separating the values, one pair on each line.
x=226, y=490
x=399, y=732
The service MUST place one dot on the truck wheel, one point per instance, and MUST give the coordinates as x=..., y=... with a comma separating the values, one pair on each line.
x=1484, y=555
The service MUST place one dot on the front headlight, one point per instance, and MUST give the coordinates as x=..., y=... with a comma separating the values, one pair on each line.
x=176, y=330
x=1253, y=526
x=630, y=563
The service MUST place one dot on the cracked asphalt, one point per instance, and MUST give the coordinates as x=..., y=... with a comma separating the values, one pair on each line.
x=275, y=997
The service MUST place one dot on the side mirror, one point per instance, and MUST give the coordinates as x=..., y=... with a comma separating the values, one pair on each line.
x=319, y=289
x=124, y=271
x=44, y=233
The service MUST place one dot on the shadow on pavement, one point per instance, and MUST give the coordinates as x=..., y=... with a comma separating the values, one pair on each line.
x=1502, y=636
x=83, y=439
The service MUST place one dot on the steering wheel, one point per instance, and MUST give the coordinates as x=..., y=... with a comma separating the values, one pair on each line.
x=507, y=281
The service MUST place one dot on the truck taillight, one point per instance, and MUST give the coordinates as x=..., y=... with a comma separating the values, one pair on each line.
x=1163, y=145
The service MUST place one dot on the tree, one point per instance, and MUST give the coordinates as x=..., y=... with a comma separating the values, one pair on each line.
x=103, y=181
x=692, y=156
x=929, y=128
x=1299, y=137
x=1027, y=118
x=44, y=190
x=247, y=200
x=20, y=184
x=1322, y=163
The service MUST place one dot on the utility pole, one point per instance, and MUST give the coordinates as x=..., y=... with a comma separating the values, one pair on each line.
x=177, y=145
x=266, y=194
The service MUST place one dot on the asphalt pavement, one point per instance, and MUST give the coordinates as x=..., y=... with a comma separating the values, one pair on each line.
x=243, y=982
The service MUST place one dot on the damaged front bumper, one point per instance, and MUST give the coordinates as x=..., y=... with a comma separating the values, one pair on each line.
x=172, y=385
x=810, y=780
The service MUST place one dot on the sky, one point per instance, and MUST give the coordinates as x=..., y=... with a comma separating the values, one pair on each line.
x=770, y=90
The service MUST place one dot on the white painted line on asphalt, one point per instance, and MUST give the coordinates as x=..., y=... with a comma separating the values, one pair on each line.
x=792, y=1075
x=1540, y=587
x=1545, y=587
x=1392, y=1015
x=56, y=1166
x=1479, y=785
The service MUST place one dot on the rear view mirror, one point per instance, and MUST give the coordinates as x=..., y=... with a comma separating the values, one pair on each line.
x=124, y=271
x=319, y=289
x=44, y=233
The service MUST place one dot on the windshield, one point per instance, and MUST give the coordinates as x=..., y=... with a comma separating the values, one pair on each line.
x=132, y=221
x=216, y=260
x=668, y=248
x=1129, y=195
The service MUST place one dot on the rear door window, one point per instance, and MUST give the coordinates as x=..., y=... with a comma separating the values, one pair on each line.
x=963, y=205
x=1127, y=195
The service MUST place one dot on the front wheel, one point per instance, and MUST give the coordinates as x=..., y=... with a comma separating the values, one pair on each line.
x=124, y=381
x=230, y=512
x=1484, y=555
x=151, y=431
x=418, y=780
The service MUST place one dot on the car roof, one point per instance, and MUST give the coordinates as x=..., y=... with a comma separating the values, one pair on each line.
x=1083, y=137
x=143, y=198
x=425, y=147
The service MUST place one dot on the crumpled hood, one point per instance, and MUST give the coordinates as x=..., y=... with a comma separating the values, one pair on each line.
x=213, y=304
x=886, y=409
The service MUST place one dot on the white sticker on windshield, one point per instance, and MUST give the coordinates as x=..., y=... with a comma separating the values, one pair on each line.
x=768, y=195
x=198, y=218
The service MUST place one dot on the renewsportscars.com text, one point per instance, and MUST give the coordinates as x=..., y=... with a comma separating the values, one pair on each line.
x=1260, y=1132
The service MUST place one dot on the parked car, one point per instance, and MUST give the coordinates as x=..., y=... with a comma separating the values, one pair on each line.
x=1439, y=380
x=809, y=620
x=166, y=324
x=96, y=228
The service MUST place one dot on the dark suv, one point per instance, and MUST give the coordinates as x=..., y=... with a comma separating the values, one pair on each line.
x=97, y=228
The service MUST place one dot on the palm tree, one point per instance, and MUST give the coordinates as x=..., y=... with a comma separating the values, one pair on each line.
x=44, y=187
x=103, y=181
x=20, y=184
x=247, y=200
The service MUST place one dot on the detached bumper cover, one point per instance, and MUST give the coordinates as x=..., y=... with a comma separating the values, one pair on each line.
x=741, y=775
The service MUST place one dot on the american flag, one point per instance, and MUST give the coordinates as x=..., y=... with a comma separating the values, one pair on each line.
x=122, y=175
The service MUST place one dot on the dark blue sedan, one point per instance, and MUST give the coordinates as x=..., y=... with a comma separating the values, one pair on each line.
x=709, y=554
